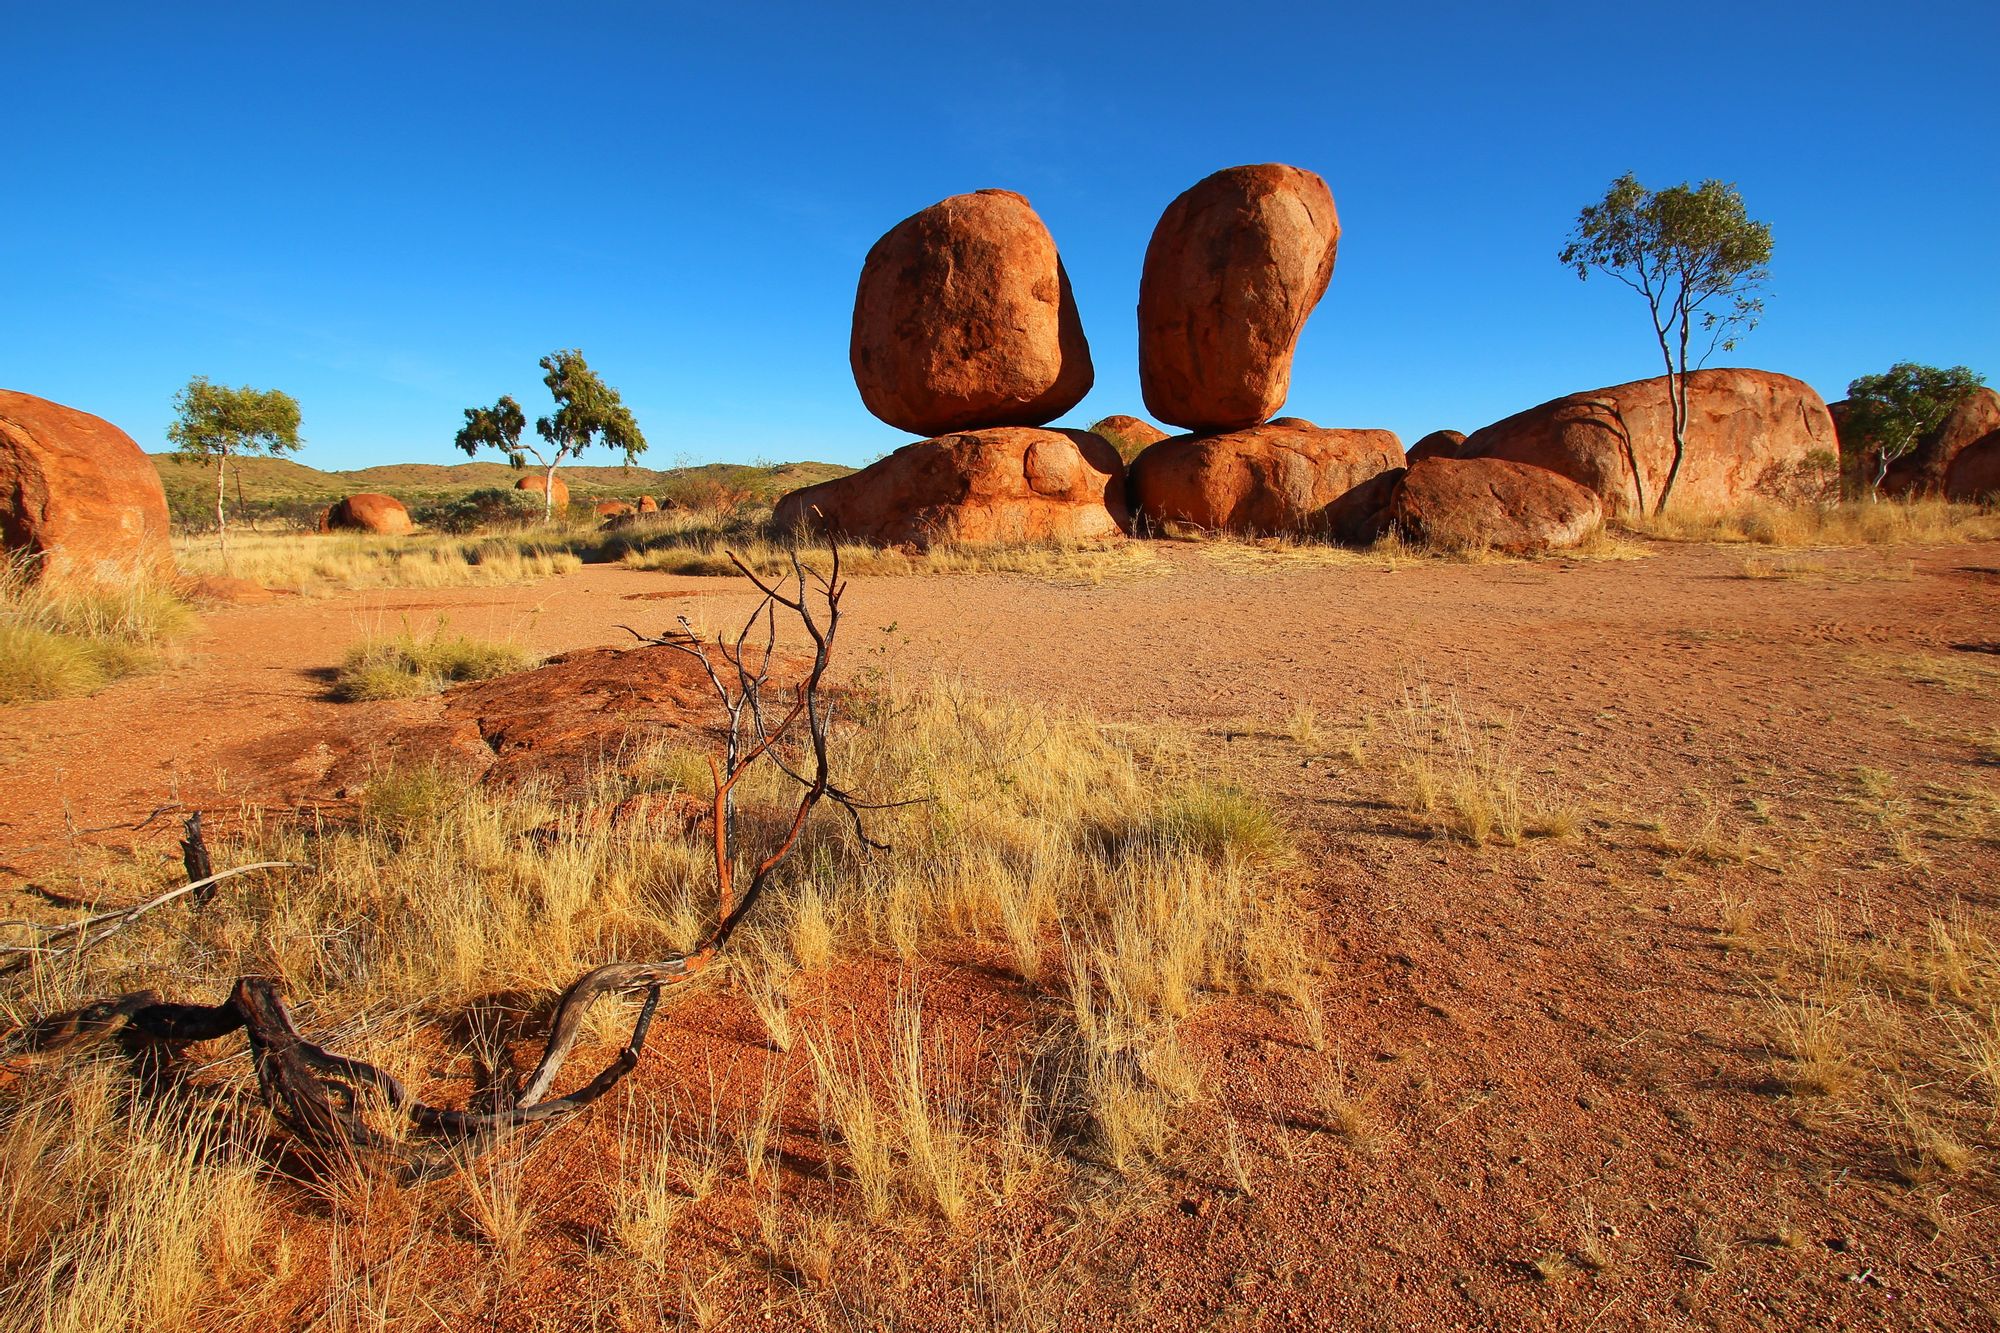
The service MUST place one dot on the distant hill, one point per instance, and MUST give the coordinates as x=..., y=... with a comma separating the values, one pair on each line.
x=279, y=486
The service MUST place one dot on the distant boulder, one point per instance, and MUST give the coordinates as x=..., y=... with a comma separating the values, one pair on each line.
x=1489, y=504
x=964, y=318
x=78, y=499
x=1004, y=484
x=369, y=512
x=648, y=505
x=1130, y=436
x=1924, y=470
x=614, y=509
x=1438, y=444
x=1747, y=429
x=1234, y=266
x=1269, y=479
x=535, y=485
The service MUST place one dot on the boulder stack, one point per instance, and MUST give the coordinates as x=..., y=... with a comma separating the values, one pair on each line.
x=1002, y=484
x=964, y=318
x=1271, y=479
x=78, y=499
x=1745, y=428
x=1235, y=265
x=368, y=511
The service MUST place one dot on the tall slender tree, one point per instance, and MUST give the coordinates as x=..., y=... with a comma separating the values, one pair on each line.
x=1699, y=261
x=213, y=421
x=588, y=412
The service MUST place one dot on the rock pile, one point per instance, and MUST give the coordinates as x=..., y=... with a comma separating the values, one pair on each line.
x=78, y=499
x=965, y=330
x=1745, y=427
x=1438, y=444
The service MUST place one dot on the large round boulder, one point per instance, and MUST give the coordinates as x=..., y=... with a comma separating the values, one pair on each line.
x=1489, y=504
x=964, y=318
x=1974, y=474
x=367, y=511
x=1924, y=470
x=1747, y=430
x=78, y=499
x=648, y=505
x=1268, y=479
x=1234, y=267
x=1004, y=484
x=1438, y=444
x=539, y=486
x=1130, y=436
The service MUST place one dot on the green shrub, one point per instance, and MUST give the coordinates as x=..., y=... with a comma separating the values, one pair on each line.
x=405, y=665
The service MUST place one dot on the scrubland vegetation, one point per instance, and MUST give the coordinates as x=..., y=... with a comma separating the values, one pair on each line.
x=57, y=641
x=1111, y=889
x=407, y=664
x=315, y=563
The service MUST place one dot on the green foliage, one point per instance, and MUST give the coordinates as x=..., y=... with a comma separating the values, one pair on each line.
x=496, y=427
x=213, y=421
x=588, y=412
x=1697, y=258
x=1890, y=413
x=490, y=508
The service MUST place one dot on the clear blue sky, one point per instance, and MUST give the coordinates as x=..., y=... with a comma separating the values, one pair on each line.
x=392, y=211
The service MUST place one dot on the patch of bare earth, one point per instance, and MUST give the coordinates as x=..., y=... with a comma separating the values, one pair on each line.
x=1586, y=846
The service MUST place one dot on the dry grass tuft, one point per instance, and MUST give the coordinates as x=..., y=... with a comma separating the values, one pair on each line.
x=406, y=665
x=1458, y=777
x=1853, y=523
x=322, y=562
x=58, y=640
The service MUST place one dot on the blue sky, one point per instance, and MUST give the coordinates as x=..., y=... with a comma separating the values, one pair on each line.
x=392, y=211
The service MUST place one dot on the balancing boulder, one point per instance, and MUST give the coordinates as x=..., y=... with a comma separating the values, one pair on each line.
x=1234, y=267
x=964, y=319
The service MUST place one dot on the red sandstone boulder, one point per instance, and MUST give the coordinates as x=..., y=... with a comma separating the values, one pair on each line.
x=369, y=512
x=614, y=509
x=1923, y=470
x=535, y=485
x=1974, y=474
x=648, y=505
x=1361, y=517
x=1438, y=444
x=1268, y=479
x=1128, y=435
x=1489, y=504
x=964, y=319
x=1747, y=429
x=78, y=499
x=1234, y=267
x=1006, y=484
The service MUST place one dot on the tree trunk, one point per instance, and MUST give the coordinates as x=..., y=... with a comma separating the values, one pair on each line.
x=221, y=528
x=549, y=493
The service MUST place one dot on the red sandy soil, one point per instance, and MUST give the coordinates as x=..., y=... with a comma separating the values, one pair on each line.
x=1561, y=1058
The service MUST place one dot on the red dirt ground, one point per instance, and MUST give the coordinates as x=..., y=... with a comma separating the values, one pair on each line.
x=1574, y=1116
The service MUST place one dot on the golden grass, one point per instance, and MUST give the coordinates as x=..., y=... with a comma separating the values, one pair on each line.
x=407, y=664
x=693, y=544
x=1090, y=856
x=60, y=639
x=322, y=562
x=1850, y=523
x=1457, y=776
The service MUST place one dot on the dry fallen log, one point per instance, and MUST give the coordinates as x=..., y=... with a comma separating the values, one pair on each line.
x=324, y=1098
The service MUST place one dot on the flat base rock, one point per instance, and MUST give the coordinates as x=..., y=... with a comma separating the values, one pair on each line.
x=1270, y=480
x=1488, y=504
x=1002, y=484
